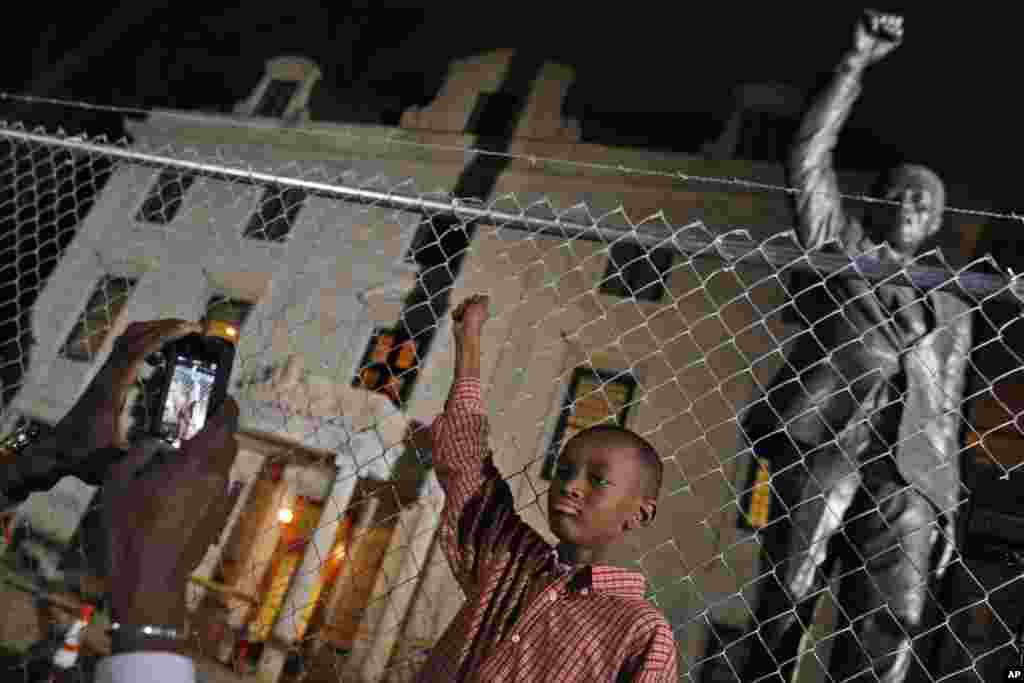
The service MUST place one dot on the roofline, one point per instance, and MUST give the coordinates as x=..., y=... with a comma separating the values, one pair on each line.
x=170, y=119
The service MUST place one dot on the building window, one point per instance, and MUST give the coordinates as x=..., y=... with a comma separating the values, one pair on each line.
x=100, y=314
x=278, y=209
x=495, y=114
x=592, y=398
x=276, y=98
x=228, y=310
x=388, y=365
x=757, y=496
x=165, y=197
x=633, y=271
x=992, y=472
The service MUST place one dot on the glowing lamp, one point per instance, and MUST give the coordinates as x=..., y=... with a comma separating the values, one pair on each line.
x=218, y=328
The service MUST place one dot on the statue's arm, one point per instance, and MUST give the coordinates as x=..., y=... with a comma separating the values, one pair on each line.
x=819, y=210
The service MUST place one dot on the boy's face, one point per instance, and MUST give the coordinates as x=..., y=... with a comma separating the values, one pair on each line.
x=597, y=493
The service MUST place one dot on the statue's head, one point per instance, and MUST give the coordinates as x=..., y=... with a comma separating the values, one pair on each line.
x=921, y=198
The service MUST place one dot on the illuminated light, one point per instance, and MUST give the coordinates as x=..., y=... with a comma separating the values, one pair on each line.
x=407, y=355
x=760, y=499
x=385, y=343
x=219, y=328
x=285, y=515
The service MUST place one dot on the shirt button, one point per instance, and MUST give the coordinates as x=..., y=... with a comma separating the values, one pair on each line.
x=515, y=637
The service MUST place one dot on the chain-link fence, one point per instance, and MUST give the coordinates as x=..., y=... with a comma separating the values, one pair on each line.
x=340, y=278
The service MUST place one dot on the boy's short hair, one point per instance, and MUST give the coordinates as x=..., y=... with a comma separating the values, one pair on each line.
x=649, y=457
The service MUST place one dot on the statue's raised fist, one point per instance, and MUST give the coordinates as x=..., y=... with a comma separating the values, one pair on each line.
x=878, y=34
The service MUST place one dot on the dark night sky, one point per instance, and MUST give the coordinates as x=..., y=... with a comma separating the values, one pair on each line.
x=943, y=99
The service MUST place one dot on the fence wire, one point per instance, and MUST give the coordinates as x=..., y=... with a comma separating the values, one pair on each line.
x=340, y=277
x=399, y=137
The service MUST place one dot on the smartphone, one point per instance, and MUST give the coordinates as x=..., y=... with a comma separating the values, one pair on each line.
x=196, y=370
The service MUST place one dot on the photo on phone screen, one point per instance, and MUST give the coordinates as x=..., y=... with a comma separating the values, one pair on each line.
x=188, y=399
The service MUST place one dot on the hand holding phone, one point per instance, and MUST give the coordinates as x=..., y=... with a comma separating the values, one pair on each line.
x=96, y=420
x=196, y=370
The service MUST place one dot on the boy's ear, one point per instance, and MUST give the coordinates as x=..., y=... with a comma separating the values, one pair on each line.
x=645, y=515
x=649, y=509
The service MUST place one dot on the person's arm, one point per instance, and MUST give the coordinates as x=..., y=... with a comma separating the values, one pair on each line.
x=819, y=210
x=91, y=436
x=478, y=519
x=460, y=436
x=159, y=522
x=35, y=469
x=657, y=662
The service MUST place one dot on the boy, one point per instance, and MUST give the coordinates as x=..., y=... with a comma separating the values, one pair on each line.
x=536, y=613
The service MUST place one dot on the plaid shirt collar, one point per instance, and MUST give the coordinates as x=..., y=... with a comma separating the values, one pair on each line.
x=613, y=581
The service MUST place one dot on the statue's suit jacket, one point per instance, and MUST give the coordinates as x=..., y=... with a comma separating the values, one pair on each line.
x=873, y=359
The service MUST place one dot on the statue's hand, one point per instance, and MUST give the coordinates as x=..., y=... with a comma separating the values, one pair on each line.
x=877, y=35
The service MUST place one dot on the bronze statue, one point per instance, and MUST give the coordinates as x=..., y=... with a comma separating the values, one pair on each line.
x=862, y=426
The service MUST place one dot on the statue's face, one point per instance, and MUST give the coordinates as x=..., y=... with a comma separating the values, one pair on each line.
x=910, y=224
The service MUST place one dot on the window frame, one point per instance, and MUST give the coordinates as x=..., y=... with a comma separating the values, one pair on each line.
x=625, y=289
x=603, y=376
x=390, y=371
x=220, y=297
x=756, y=491
x=158, y=193
x=75, y=335
x=273, y=98
x=284, y=211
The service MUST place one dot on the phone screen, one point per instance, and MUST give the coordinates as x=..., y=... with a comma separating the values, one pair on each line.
x=188, y=399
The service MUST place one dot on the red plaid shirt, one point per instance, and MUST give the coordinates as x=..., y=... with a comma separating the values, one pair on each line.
x=527, y=617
